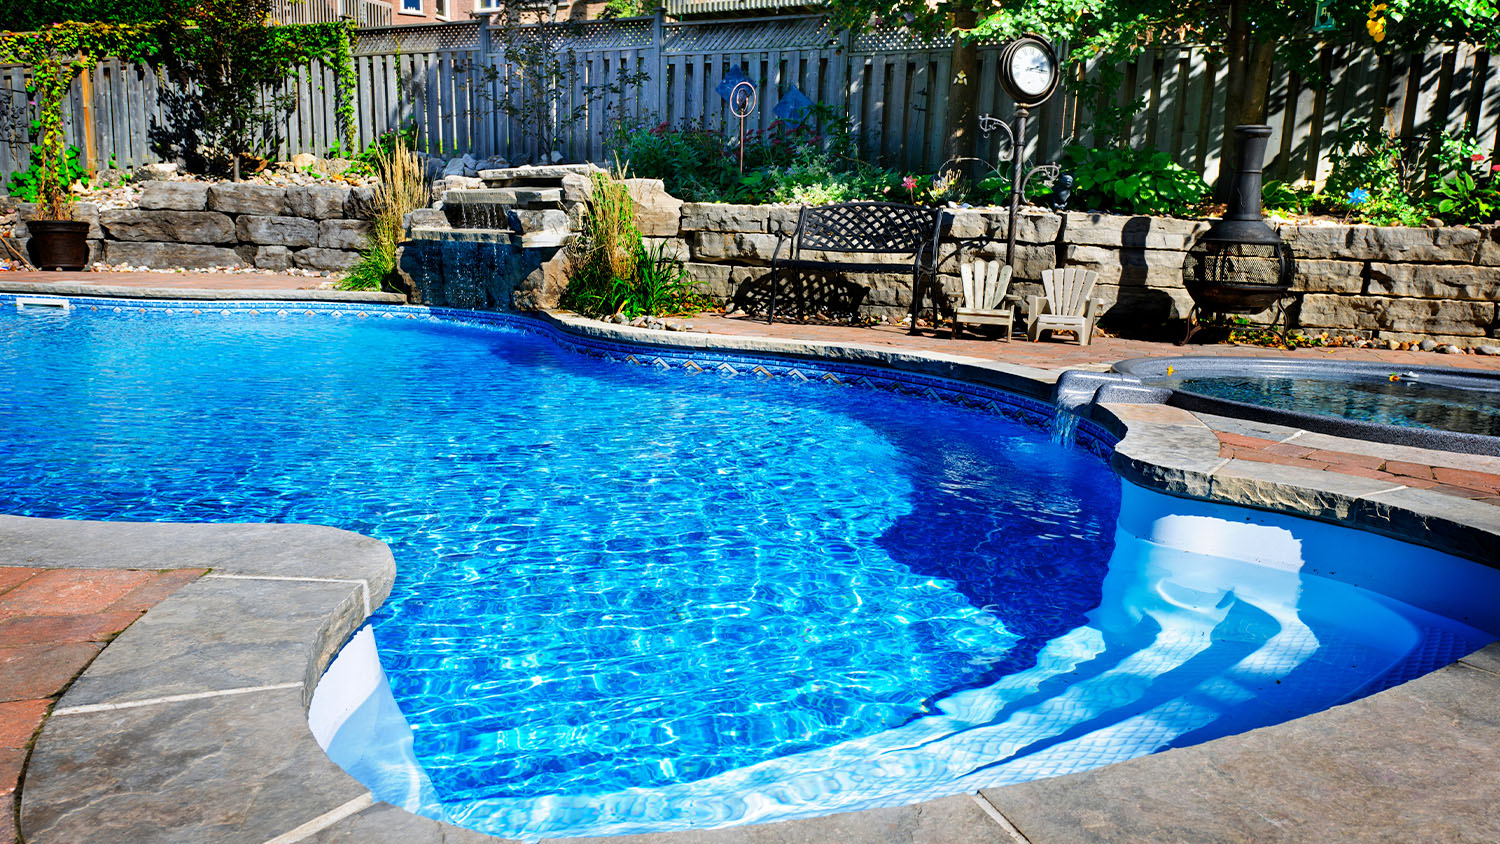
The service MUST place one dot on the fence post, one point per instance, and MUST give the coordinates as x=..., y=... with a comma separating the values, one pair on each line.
x=658, y=64
x=488, y=143
x=86, y=118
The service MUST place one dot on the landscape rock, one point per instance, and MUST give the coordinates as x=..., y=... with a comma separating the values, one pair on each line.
x=241, y=198
x=447, y=183
x=1435, y=281
x=272, y=258
x=343, y=234
x=277, y=231
x=167, y=226
x=543, y=287
x=425, y=218
x=164, y=256
x=318, y=258
x=1118, y=231
x=175, y=196
x=337, y=166
x=1383, y=243
x=657, y=213
x=1487, y=350
x=318, y=202
x=305, y=161
x=360, y=205
x=722, y=217
x=1320, y=276
x=160, y=171
x=737, y=246
x=464, y=166
x=1427, y=345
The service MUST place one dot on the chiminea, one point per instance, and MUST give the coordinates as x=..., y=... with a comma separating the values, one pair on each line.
x=1240, y=265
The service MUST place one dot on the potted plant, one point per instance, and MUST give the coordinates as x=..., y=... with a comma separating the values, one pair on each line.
x=58, y=242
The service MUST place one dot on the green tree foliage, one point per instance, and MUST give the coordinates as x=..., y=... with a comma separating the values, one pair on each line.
x=1252, y=34
x=28, y=15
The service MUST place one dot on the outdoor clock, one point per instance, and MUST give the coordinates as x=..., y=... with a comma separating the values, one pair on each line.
x=1028, y=70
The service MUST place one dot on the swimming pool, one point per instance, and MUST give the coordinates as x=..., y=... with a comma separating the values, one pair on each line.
x=635, y=598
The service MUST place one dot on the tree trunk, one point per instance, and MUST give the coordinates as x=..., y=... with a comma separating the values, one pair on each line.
x=1247, y=86
x=963, y=95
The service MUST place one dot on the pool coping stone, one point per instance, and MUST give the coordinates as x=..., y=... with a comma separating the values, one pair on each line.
x=210, y=762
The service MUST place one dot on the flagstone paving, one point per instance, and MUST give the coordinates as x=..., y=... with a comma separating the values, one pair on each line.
x=53, y=622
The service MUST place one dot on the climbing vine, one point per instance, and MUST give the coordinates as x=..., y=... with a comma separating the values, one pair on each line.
x=226, y=48
x=55, y=55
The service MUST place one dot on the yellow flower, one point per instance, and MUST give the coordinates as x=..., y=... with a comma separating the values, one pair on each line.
x=1376, y=28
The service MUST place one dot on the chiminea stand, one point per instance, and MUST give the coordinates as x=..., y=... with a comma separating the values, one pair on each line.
x=1240, y=264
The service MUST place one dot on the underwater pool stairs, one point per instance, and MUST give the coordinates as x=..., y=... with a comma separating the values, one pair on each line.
x=200, y=707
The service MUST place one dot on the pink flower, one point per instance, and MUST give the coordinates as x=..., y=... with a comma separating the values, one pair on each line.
x=1495, y=168
x=1478, y=156
x=909, y=183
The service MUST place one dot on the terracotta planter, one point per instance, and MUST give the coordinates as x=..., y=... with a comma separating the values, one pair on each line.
x=59, y=244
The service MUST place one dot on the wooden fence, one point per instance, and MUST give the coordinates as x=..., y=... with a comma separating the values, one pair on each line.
x=450, y=81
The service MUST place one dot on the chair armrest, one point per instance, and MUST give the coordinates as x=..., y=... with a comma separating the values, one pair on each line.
x=1037, y=306
x=1093, y=308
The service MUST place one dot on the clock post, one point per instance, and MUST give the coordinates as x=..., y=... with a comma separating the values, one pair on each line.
x=1029, y=74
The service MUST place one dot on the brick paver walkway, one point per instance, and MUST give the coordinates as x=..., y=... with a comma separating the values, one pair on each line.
x=1056, y=354
x=53, y=622
x=1464, y=477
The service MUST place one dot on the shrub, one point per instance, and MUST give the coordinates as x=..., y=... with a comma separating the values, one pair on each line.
x=611, y=271
x=24, y=184
x=1130, y=181
x=402, y=188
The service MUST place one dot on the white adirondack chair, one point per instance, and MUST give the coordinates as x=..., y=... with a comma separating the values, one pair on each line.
x=986, y=282
x=1066, y=306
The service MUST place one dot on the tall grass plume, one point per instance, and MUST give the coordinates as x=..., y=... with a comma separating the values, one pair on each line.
x=403, y=188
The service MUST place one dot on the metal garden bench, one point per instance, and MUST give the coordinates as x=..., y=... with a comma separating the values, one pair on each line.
x=862, y=228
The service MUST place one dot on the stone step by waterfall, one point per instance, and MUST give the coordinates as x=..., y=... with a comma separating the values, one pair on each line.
x=541, y=204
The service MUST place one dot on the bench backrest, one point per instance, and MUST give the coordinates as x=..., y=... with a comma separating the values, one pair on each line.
x=883, y=227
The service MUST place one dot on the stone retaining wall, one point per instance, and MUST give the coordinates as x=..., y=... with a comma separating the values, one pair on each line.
x=1387, y=283
x=197, y=225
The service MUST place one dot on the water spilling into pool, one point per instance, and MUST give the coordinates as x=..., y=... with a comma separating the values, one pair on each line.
x=633, y=599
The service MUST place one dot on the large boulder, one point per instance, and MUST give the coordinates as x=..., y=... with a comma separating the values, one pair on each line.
x=162, y=256
x=343, y=234
x=360, y=205
x=318, y=202
x=543, y=287
x=657, y=213
x=175, y=196
x=163, y=226
x=278, y=231
x=330, y=260
x=240, y=198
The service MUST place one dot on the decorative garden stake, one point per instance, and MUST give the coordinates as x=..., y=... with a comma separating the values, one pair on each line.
x=1029, y=73
x=742, y=100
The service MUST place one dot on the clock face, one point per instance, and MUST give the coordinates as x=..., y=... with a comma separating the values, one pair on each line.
x=1031, y=69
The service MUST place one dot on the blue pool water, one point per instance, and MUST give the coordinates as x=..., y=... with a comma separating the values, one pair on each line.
x=634, y=599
